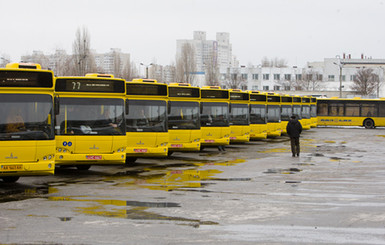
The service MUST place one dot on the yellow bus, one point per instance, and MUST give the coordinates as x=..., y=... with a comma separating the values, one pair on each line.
x=368, y=113
x=90, y=126
x=146, y=119
x=215, y=116
x=258, y=115
x=274, y=127
x=313, y=112
x=27, y=137
x=239, y=116
x=305, y=113
x=184, y=126
x=286, y=111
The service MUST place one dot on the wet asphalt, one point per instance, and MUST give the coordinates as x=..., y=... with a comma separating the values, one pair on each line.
x=253, y=193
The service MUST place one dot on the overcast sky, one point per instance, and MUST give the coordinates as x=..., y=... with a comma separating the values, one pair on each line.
x=295, y=30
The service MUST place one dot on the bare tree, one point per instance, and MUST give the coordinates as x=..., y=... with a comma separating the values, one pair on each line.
x=83, y=59
x=129, y=71
x=212, y=70
x=311, y=81
x=276, y=62
x=366, y=82
x=4, y=60
x=234, y=79
x=186, y=65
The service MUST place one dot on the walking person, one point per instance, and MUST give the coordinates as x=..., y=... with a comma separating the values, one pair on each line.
x=294, y=129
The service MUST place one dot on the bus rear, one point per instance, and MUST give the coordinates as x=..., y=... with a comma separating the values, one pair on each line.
x=274, y=127
x=239, y=116
x=184, y=117
x=146, y=119
x=90, y=126
x=215, y=116
x=258, y=115
x=27, y=139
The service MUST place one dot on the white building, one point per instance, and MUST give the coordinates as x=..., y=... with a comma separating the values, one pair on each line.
x=219, y=50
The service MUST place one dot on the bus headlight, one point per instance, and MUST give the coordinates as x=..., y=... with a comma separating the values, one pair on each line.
x=226, y=136
x=59, y=149
x=45, y=158
x=163, y=144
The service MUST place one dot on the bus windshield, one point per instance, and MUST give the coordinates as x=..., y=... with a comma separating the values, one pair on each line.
x=273, y=113
x=286, y=113
x=146, y=116
x=90, y=116
x=26, y=117
x=183, y=115
x=214, y=114
x=258, y=114
x=306, y=111
x=239, y=114
x=297, y=111
x=313, y=111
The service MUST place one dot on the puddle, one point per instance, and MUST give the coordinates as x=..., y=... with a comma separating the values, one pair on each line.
x=282, y=171
x=275, y=150
x=334, y=159
x=65, y=218
x=136, y=210
x=21, y=192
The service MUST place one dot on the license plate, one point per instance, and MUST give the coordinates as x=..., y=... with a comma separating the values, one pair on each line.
x=177, y=145
x=11, y=167
x=140, y=150
x=209, y=141
x=92, y=157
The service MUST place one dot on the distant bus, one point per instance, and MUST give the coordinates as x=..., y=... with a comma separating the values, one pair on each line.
x=146, y=119
x=286, y=111
x=239, y=116
x=368, y=113
x=184, y=126
x=297, y=107
x=27, y=139
x=90, y=128
x=215, y=116
x=258, y=115
x=274, y=127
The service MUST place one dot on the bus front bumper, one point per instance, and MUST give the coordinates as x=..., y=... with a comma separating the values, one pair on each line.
x=240, y=139
x=191, y=146
x=27, y=169
x=215, y=142
x=259, y=136
x=94, y=158
x=147, y=151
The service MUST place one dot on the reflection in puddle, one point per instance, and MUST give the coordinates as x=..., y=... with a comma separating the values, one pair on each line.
x=138, y=210
x=19, y=193
x=282, y=171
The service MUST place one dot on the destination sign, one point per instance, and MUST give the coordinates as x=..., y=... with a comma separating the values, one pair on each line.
x=183, y=92
x=257, y=97
x=215, y=94
x=146, y=89
x=26, y=79
x=239, y=96
x=89, y=85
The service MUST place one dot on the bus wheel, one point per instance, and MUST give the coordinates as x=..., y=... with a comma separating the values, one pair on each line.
x=169, y=153
x=83, y=167
x=130, y=160
x=369, y=123
x=10, y=179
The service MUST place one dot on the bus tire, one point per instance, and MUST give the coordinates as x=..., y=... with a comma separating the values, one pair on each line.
x=130, y=160
x=169, y=153
x=368, y=123
x=83, y=167
x=10, y=179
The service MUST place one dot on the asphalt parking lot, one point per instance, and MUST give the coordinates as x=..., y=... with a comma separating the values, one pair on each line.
x=334, y=193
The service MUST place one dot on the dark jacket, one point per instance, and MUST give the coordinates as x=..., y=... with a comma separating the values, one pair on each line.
x=294, y=128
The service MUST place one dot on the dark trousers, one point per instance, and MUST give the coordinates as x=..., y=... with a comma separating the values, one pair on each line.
x=294, y=145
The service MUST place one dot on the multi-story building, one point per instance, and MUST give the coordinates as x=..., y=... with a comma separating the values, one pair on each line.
x=112, y=62
x=217, y=51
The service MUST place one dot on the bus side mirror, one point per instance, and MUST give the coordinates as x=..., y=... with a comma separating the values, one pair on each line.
x=56, y=105
x=127, y=106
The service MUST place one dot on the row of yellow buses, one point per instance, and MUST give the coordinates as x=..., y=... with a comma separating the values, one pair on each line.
x=99, y=119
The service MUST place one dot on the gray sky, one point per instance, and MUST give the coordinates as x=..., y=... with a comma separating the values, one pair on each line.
x=295, y=30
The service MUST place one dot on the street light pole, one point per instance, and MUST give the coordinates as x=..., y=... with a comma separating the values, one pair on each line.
x=340, y=66
x=146, y=68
